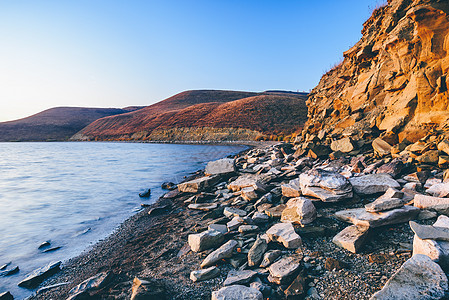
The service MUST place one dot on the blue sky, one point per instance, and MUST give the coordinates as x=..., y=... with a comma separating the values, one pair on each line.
x=107, y=53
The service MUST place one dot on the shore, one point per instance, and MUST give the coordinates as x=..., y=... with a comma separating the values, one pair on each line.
x=152, y=247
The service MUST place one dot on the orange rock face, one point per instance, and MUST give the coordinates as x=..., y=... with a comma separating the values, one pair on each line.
x=394, y=80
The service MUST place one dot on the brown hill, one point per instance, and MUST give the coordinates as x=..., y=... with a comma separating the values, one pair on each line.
x=58, y=123
x=199, y=115
x=393, y=81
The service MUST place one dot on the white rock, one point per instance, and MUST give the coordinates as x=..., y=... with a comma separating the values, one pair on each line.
x=326, y=185
x=203, y=206
x=299, y=210
x=237, y=292
x=205, y=240
x=239, y=277
x=351, y=238
x=269, y=257
x=225, y=251
x=440, y=205
x=439, y=189
x=281, y=270
x=285, y=234
x=235, y=223
x=373, y=183
x=260, y=218
x=233, y=212
x=249, y=193
x=247, y=180
x=218, y=227
x=204, y=274
x=220, y=167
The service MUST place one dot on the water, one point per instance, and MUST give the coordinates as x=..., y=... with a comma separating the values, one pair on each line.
x=74, y=194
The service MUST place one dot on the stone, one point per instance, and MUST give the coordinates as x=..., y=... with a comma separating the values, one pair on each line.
x=334, y=264
x=91, y=284
x=344, y=145
x=438, y=204
x=297, y=288
x=34, y=278
x=204, y=274
x=239, y=277
x=373, y=183
x=291, y=189
x=235, y=223
x=248, y=228
x=205, y=240
x=197, y=185
x=443, y=161
x=431, y=182
x=256, y=252
x=218, y=227
x=237, y=292
x=439, y=190
x=203, y=206
x=393, y=193
x=143, y=289
x=231, y=212
x=285, y=234
x=275, y=212
x=394, y=168
x=360, y=217
x=51, y=287
x=283, y=269
x=6, y=296
x=225, y=251
x=381, y=147
x=43, y=245
x=246, y=180
x=260, y=218
x=418, y=278
x=220, y=167
x=429, y=232
x=429, y=157
x=383, y=204
x=269, y=257
x=318, y=151
x=443, y=146
x=265, y=289
x=326, y=185
x=249, y=193
x=145, y=194
x=168, y=186
x=419, y=177
x=9, y=272
x=299, y=211
x=351, y=238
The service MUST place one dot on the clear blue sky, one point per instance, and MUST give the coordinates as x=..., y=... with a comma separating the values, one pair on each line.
x=106, y=53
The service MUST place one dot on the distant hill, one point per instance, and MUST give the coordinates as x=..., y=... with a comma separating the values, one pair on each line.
x=54, y=124
x=205, y=115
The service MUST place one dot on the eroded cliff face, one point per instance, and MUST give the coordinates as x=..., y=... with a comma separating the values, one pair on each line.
x=393, y=82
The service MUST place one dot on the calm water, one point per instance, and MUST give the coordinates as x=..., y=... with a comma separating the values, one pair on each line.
x=74, y=194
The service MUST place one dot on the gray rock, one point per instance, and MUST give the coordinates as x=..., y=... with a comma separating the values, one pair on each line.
x=373, y=183
x=249, y=193
x=291, y=189
x=220, y=167
x=203, y=206
x=237, y=292
x=247, y=180
x=429, y=232
x=6, y=296
x=9, y=271
x=359, y=216
x=283, y=269
x=218, y=227
x=225, y=251
x=351, y=238
x=91, y=284
x=34, y=278
x=418, y=278
x=52, y=286
x=233, y=212
x=439, y=189
x=205, y=240
x=260, y=218
x=440, y=205
x=383, y=204
x=204, y=274
x=197, y=185
x=285, y=234
x=326, y=185
x=270, y=257
x=256, y=252
x=248, y=228
x=239, y=277
x=299, y=211
x=235, y=223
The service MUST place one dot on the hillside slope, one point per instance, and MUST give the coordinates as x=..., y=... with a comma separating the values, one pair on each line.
x=205, y=115
x=393, y=81
x=58, y=123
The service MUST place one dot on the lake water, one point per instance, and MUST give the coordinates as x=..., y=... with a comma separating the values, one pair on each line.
x=74, y=194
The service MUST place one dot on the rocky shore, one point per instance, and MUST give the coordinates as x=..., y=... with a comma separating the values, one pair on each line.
x=283, y=222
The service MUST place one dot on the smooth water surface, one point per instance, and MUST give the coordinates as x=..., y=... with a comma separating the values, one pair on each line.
x=74, y=194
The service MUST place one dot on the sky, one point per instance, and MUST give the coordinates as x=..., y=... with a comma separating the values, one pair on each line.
x=109, y=53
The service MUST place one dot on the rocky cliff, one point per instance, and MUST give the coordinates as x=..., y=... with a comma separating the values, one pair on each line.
x=393, y=82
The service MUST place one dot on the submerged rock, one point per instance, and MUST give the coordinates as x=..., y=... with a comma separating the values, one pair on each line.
x=6, y=296
x=9, y=271
x=34, y=278
x=145, y=194
x=326, y=185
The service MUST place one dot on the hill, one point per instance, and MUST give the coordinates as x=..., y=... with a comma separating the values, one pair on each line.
x=205, y=115
x=55, y=124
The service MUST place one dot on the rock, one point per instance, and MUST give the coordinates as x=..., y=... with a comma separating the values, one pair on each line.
x=6, y=296
x=373, y=183
x=51, y=287
x=291, y=189
x=239, y=277
x=283, y=269
x=383, y=204
x=218, y=227
x=34, y=278
x=438, y=251
x=326, y=185
x=197, y=185
x=4, y=266
x=351, y=238
x=300, y=211
x=285, y=234
x=225, y=251
x=418, y=278
x=360, y=217
x=275, y=212
x=440, y=205
x=9, y=271
x=429, y=157
x=205, y=240
x=344, y=145
x=220, y=167
x=439, y=190
x=247, y=180
x=143, y=290
x=204, y=274
x=203, y=206
x=261, y=287
x=319, y=151
x=269, y=257
x=237, y=292
x=334, y=264
x=91, y=284
x=248, y=228
x=419, y=177
x=249, y=193
x=260, y=218
x=44, y=245
x=51, y=249
x=233, y=212
x=256, y=252
x=394, y=168
x=381, y=147
x=235, y=223
x=444, y=146
x=297, y=288
x=429, y=232
x=145, y=194
x=168, y=186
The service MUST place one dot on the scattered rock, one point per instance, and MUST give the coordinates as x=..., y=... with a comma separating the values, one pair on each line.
x=237, y=292
x=247, y=180
x=197, y=185
x=326, y=185
x=220, y=167
x=297, y=288
x=256, y=252
x=168, y=186
x=285, y=234
x=44, y=245
x=239, y=277
x=9, y=271
x=440, y=205
x=351, y=238
x=249, y=193
x=248, y=228
x=283, y=269
x=204, y=274
x=233, y=212
x=373, y=183
x=429, y=232
x=383, y=204
x=291, y=189
x=203, y=206
x=260, y=218
x=218, y=227
x=51, y=249
x=143, y=290
x=205, y=240
x=34, y=278
x=235, y=223
x=269, y=257
x=344, y=145
x=418, y=278
x=381, y=147
x=225, y=251
x=335, y=264
x=91, y=284
x=275, y=212
x=299, y=210
x=439, y=190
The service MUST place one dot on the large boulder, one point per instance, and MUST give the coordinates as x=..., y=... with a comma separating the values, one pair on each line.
x=418, y=278
x=326, y=185
x=299, y=210
x=237, y=292
x=373, y=183
x=220, y=167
